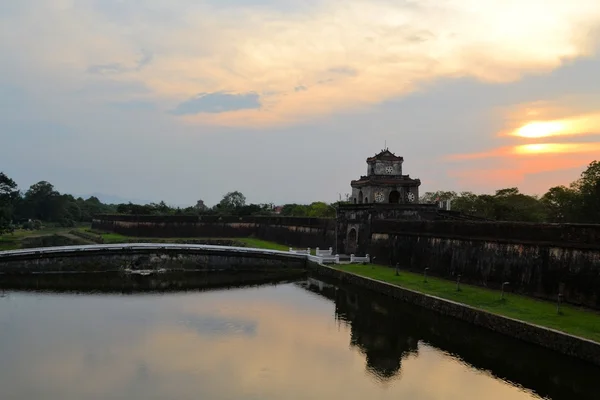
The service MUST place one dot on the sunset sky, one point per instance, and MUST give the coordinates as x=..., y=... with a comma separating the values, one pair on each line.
x=180, y=100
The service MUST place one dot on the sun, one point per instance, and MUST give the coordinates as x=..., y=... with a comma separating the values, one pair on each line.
x=539, y=129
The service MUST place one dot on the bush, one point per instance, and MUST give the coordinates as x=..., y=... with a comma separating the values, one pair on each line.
x=32, y=225
x=67, y=223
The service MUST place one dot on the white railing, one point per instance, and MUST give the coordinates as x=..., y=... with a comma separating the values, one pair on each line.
x=325, y=259
x=355, y=259
x=99, y=248
x=319, y=252
x=300, y=251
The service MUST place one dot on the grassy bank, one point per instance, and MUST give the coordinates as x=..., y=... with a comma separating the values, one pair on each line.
x=12, y=241
x=249, y=242
x=573, y=320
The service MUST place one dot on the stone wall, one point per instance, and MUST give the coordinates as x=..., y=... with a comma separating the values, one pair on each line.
x=291, y=231
x=540, y=260
x=146, y=260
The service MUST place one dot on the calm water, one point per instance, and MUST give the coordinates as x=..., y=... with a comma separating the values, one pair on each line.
x=303, y=340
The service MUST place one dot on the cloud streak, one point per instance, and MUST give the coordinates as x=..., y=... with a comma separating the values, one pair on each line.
x=218, y=103
x=531, y=150
x=588, y=124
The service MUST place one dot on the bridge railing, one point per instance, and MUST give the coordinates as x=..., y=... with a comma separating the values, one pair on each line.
x=355, y=259
x=322, y=256
x=99, y=248
x=300, y=251
x=325, y=259
x=328, y=252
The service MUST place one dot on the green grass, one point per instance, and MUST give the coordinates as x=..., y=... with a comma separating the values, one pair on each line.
x=250, y=242
x=11, y=241
x=263, y=244
x=573, y=320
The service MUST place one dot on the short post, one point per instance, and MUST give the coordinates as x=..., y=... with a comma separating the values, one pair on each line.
x=504, y=284
x=308, y=250
x=425, y=275
x=351, y=257
x=291, y=250
x=316, y=251
x=337, y=258
x=458, y=283
x=331, y=250
x=558, y=301
x=397, y=269
x=368, y=259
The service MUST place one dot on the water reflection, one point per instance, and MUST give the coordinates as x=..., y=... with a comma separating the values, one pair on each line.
x=388, y=332
x=289, y=341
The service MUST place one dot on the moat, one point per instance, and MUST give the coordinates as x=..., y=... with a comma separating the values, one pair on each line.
x=299, y=339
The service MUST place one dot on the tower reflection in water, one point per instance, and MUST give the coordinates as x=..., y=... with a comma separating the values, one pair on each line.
x=388, y=332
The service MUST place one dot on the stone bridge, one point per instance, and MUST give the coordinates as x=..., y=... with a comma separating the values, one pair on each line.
x=146, y=257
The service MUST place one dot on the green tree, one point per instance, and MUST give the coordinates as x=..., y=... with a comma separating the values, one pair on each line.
x=41, y=201
x=232, y=201
x=319, y=209
x=440, y=195
x=588, y=186
x=9, y=195
x=294, y=210
x=563, y=204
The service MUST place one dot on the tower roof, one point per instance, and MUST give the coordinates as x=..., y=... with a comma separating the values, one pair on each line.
x=385, y=154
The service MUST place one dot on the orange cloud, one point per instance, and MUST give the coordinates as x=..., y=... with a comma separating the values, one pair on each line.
x=536, y=173
x=532, y=150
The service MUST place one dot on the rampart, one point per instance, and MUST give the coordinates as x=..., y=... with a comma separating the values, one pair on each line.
x=539, y=260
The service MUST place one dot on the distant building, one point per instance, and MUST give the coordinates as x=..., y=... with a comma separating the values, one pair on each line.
x=384, y=182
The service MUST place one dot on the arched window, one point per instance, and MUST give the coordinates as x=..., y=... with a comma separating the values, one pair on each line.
x=354, y=200
x=360, y=197
x=366, y=200
x=394, y=196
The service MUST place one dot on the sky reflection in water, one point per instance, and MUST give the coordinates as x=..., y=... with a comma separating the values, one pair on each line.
x=271, y=342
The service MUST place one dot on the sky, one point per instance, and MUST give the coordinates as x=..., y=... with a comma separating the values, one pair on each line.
x=283, y=100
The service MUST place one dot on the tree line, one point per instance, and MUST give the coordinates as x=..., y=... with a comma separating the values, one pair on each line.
x=577, y=203
x=43, y=204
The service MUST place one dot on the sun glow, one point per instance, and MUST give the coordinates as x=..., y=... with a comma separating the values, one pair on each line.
x=555, y=148
x=581, y=125
x=540, y=129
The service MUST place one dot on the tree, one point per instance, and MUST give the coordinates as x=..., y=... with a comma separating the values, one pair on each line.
x=320, y=209
x=294, y=210
x=41, y=201
x=563, y=204
x=232, y=201
x=588, y=186
x=434, y=197
x=9, y=194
